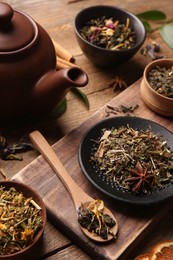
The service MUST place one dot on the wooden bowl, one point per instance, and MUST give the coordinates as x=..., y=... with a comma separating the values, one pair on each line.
x=105, y=57
x=156, y=102
x=29, y=251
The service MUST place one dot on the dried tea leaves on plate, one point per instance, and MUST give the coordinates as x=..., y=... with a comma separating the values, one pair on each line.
x=137, y=168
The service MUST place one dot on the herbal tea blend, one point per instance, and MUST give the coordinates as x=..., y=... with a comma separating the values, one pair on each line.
x=136, y=161
x=20, y=221
x=109, y=33
x=161, y=80
x=94, y=220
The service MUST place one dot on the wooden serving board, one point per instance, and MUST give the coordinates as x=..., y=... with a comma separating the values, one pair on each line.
x=134, y=222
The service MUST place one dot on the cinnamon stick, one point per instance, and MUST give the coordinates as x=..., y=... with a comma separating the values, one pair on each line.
x=62, y=52
x=61, y=63
x=74, y=1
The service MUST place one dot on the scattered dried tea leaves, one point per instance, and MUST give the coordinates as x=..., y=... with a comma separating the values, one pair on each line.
x=134, y=160
x=9, y=152
x=20, y=220
x=161, y=80
x=94, y=220
x=122, y=109
x=109, y=33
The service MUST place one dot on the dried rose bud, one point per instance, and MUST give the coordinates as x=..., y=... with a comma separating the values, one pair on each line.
x=110, y=24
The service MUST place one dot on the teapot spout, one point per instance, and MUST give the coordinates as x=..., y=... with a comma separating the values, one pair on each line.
x=53, y=87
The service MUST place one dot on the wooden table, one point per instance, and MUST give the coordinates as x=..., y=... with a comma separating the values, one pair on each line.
x=57, y=18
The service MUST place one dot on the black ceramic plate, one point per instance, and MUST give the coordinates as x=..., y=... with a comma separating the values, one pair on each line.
x=87, y=167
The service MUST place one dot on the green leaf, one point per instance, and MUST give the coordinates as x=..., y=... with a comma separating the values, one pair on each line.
x=166, y=31
x=59, y=109
x=62, y=106
x=147, y=26
x=154, y=15
x=78, y=93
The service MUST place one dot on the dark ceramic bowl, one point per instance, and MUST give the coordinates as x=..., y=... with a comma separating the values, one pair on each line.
x=104, y=57
x=30, y=251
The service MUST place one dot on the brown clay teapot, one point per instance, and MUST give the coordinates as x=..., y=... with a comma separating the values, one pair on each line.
x=29, y=82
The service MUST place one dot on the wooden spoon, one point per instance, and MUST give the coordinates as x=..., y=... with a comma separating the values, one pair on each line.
x=77, y=194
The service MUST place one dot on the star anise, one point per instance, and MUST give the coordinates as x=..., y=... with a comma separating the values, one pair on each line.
x=140, y=180
x=118, y=83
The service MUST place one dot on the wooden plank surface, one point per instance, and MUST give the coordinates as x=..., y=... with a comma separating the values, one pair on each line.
x=57, y=18
x=133, y=224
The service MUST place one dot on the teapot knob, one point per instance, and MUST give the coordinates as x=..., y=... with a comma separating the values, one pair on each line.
x=6, y=14
x=17, y=30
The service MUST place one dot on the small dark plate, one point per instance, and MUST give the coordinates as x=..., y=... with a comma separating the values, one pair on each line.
x=87, y=167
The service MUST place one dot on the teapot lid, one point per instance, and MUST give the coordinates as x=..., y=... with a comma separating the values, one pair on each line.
x=16, y=29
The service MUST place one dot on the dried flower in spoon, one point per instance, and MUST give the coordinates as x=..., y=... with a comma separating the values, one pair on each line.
x=94, y=220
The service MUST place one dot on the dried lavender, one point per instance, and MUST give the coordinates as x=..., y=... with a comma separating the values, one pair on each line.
x=151, y=51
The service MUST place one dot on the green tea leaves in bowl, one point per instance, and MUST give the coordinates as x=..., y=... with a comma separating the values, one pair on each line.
x=109, y=33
